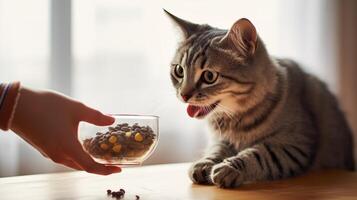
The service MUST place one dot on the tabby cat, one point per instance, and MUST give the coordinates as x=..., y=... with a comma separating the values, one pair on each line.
x=271, y=120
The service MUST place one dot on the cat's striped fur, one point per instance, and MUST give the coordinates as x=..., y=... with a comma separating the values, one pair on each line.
x=273, y=120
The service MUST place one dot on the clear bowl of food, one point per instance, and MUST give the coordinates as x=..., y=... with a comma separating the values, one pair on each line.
x=130, y=140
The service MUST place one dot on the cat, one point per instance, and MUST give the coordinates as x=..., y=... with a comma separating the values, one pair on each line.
x=270, y=119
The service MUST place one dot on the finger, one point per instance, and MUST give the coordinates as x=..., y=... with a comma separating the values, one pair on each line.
x=89, y=165
x=59, y=159
x=95, y=117
x=71, y=164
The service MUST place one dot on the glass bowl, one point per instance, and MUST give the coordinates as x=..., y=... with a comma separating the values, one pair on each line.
x=130, y=140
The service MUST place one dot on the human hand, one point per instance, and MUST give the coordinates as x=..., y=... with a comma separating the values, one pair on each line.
x=49, y=122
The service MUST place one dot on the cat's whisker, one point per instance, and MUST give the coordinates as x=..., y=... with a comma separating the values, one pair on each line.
x=226, y=111
x=229, y=113
x=224, y=108
x=216, y=115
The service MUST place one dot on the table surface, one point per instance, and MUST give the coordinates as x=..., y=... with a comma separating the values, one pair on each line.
x=170, y=181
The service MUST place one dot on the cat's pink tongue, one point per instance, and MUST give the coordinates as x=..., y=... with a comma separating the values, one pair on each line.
x=193, y=110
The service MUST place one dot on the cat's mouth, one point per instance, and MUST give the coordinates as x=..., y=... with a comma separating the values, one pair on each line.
x=200, y=111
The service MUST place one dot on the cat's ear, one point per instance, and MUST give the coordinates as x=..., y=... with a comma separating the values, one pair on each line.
x=243, y=36
x=187, y=28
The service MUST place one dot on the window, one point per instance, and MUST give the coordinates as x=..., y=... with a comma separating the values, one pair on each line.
x=24, y=42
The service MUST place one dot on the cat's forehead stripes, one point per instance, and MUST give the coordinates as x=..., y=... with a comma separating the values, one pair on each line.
x=196, y=46
x=199, y=47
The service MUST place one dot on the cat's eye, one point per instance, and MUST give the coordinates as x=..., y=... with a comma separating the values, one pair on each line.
x=179, y=71
x=210, y=77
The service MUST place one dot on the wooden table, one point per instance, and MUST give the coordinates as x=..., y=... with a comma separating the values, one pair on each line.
x=163, y=182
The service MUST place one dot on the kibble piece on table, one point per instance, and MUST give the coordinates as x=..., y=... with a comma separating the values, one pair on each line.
x=119, y=194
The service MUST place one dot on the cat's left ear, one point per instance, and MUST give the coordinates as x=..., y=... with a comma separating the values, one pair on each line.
x=243, y=36
x=187, y=28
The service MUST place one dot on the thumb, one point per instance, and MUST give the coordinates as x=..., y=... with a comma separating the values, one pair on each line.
x=95, y=117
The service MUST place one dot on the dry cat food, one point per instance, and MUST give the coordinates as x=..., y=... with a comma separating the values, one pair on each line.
x=119, y=194
x=121, y=141
x=116, y=194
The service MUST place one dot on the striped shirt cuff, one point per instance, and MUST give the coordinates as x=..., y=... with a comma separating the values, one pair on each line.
x=9, y=95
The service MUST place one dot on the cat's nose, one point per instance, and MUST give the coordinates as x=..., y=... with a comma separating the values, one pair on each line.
x=186, y=97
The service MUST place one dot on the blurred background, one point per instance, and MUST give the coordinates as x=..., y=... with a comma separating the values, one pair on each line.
x=114, y=55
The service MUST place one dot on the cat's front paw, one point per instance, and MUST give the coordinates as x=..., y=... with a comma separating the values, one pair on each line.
x=225, y=176
x=200, y=172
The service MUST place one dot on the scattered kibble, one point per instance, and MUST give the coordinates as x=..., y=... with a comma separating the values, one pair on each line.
x=119, y=194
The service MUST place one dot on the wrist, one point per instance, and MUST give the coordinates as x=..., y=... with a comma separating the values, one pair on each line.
x=23, y=111
x=9, y=95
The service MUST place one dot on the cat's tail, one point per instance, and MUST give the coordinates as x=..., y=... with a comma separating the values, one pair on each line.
x=335, y=149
